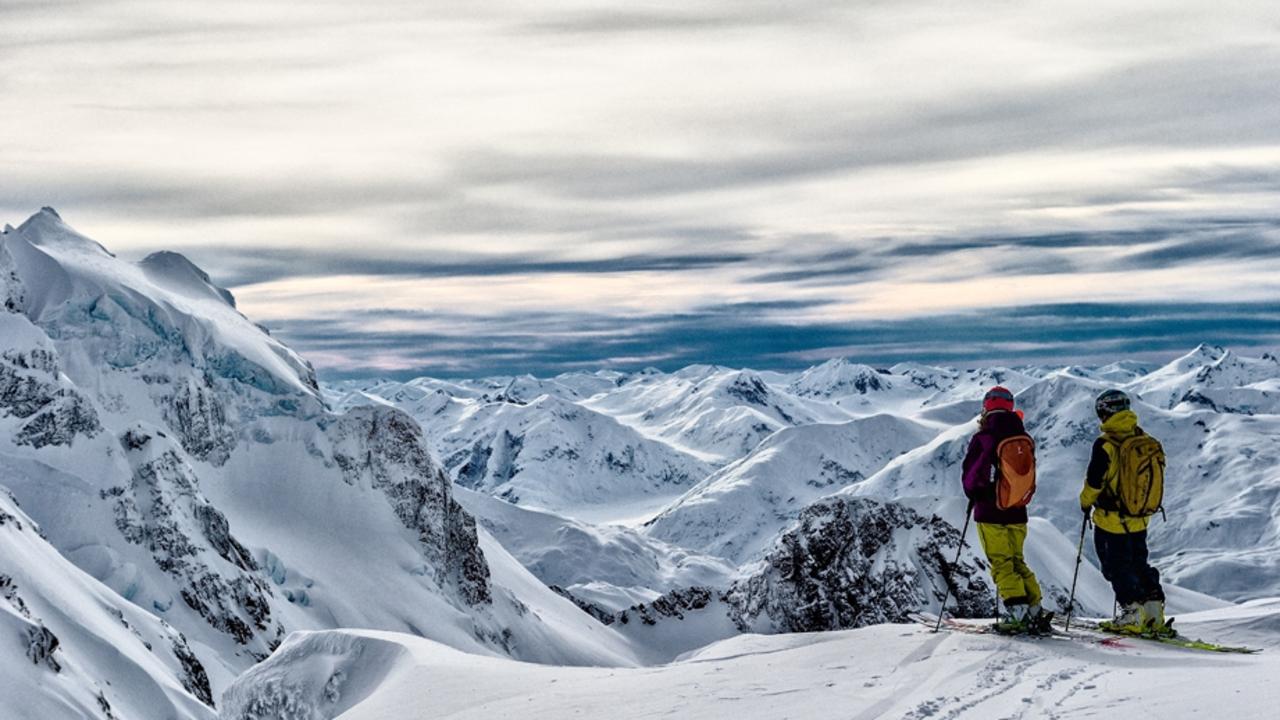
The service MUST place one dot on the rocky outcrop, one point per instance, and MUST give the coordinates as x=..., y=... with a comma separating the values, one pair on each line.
x=852, y=562
x=383, y=448
x=848, y=563
x=198, y=417
x=672, y=605
x=193, y=676
x=52, y=412
x=41, y=643
x=190, y=540
x=602, y=614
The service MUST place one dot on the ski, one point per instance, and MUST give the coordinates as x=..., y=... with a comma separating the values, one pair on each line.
x=1174, y=640
x=929, y=620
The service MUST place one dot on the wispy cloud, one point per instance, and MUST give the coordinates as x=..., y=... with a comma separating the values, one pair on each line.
x=744, y=181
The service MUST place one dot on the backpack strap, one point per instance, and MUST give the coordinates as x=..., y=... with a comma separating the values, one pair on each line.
x=1107, y=499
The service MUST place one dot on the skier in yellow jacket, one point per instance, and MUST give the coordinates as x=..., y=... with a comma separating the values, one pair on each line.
x=1121, y=539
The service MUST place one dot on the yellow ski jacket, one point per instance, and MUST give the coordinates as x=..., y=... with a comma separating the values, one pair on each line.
x=1102, y=473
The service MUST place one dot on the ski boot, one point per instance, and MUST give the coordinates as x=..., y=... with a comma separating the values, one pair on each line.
x=1129, y=620
x=1151, y=617
x=1015, y=621
x=1039, y=621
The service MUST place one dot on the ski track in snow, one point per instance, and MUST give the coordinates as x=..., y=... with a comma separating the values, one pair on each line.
x=885, y=671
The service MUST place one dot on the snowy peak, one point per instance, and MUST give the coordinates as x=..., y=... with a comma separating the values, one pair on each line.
x=736, y=512
x=47, y=229
x=749, y=388
x=838, y=377
x=175, y=272
x=1215, y=378
x=1205, y=352
x=556, y=455
x=106, y=312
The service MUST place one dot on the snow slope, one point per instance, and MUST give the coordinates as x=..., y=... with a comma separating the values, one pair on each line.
x=551, y=454
x=69, y=647
x=716, y=413
x=899, y=671
x=610, y=565
x=738, y=511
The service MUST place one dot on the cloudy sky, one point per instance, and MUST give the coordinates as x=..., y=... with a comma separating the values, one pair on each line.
x=403, y=187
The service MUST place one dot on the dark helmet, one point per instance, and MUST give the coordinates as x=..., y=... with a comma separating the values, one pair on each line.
x=1109, y=403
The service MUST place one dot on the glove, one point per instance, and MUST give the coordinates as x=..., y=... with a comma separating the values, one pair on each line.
x=1086, y=509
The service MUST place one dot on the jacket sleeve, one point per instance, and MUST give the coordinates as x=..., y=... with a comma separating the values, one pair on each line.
x=1099, y=463
x=977, y=467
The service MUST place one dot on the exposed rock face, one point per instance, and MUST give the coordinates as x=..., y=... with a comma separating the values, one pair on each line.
x=673, y=604
x=853, y=562
x=190, y=540
x=749, y=389
x=41, y=644
x=599, y=613
x=40, y=640
x=194, y=678
x=383, y=448
x=475, y=468
x=198, y=417
x=849, y=563
x=30, y=389
x=9, y=591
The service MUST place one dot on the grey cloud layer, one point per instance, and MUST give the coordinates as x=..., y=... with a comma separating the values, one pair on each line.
x=735, y=336
x=766, y=157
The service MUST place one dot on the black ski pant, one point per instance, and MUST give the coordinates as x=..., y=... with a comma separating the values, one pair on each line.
x=1124, y=565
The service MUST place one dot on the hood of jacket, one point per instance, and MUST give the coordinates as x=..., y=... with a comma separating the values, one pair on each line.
x=1122, y=424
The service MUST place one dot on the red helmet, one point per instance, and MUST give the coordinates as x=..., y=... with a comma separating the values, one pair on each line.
x=997, y=398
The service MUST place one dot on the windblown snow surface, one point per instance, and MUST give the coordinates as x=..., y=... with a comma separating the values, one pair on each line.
x=883, y=671
x=187, y=517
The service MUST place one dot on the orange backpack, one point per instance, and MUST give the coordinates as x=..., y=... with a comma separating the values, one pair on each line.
x=1016, y=481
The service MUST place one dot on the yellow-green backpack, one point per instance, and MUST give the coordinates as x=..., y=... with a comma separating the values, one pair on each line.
x=1138, y=484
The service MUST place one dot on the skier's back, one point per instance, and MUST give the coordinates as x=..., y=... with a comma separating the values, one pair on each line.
x=1002, y=530
x=1120, y=528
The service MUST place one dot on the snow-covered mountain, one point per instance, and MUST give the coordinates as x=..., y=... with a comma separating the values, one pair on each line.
x=740, y=510
x=555, y=455
x=545, y=453
x=179, y=455
x=610, y=566
x=1216, y=379
x=1213, y=409
x=201, y=498
x=716, y=413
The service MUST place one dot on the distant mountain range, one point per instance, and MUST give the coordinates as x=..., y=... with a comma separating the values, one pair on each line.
x=179, y=494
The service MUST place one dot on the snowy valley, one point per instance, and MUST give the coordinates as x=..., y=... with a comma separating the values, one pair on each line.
x=191, y=523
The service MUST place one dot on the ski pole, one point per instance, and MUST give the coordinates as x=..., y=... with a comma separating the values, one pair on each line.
x=946, y=595
x=1071, y=604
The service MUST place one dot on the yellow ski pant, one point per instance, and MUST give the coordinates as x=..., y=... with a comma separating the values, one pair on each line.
x=1003, y=546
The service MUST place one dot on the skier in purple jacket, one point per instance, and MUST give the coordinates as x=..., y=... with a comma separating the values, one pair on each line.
x=1002, y=532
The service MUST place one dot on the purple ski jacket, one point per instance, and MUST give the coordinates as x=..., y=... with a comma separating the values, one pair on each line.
x=980, y=468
